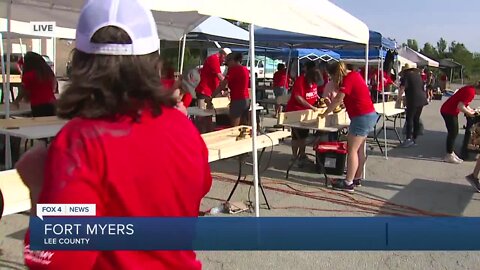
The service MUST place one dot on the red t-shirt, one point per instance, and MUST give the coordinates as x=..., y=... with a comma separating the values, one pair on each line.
x=238, y=78
x=280, y=79
x=357, y=96
x=307, y=91
x=187, y=97
x=156, y=167
x=208, y=75
x=424, y=77
x=465, y=94
x=387, y=80
x=40, y=91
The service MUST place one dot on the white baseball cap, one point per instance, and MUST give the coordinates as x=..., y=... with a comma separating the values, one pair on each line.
x=227, y=51
x=132, y=16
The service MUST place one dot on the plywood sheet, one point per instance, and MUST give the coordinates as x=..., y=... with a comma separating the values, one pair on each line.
x=16, y=195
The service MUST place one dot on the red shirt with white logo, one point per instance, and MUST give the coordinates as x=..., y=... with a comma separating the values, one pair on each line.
x=465, y=95
x=238, y=79
x=357, y=96
x=209, y=80
x=305, y=90
x=153, y=167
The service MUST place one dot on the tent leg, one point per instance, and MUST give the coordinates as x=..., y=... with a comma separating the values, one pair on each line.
x=366, y=79
x=254, y=122
x=383, y=105
x=182, y=58
x=8, y=156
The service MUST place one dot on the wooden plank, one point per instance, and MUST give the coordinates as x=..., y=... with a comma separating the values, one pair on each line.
x=14, y=79
x=390, y=109
x=220, y=102
x=310, y=118
x=16, y=195
x=28, y=122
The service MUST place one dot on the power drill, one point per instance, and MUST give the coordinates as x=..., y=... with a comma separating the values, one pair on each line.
x=245, y=132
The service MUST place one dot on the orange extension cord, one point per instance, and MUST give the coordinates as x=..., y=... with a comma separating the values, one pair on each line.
x=358, y=203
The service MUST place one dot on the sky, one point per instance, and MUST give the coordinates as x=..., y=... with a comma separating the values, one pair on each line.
x=423, y=20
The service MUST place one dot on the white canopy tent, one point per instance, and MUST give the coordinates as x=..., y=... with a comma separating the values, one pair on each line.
x=311, y=17
x=416, y=57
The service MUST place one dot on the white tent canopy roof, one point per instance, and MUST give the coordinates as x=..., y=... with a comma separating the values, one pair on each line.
x=417, y=57
x=311, y=17
x=171, y=26
x=218, y=27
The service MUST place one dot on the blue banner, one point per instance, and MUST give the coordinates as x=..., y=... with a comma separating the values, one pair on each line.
x=245, y=233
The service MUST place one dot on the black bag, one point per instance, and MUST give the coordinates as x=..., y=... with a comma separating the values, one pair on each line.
x=14, y=149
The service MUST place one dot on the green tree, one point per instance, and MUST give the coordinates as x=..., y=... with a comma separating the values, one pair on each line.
x=429, y=51
x=413, y=44
x=441, y=48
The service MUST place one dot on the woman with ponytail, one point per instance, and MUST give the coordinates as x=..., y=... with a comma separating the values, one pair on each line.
x=354, y=93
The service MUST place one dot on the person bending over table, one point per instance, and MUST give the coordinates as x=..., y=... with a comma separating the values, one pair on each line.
x=411, y=84
x=119, y=110
x=354, y=93
x=210, y=77
x=455, y=104
x=39, y=85
x=304, y=96
x=237, y=79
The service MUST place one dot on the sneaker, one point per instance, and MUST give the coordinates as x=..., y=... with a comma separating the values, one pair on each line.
x=357, y=182
x=457, y=158
x=340, y=184
x=407, y=143
x=473, y=181
x=450, y=158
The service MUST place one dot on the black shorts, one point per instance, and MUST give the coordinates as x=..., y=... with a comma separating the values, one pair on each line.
x=43, y=110
x=299, y=133
x=239, y=108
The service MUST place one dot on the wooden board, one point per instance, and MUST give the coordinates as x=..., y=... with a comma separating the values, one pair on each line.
x=220, y=102
x=16, y=195
x=16, y=79
x=224, y=144
x=309, y=118
x=28, y=122
x=390, y=108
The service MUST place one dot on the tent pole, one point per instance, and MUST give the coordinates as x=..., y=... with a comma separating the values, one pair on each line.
x=288, y=66
x=254, y=121
x=182, y=58
x=4, y=81
x=383, y=103
x=6, y=99
x=365, y=145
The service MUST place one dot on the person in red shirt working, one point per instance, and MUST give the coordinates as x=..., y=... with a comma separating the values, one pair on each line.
x=39, y=85
x=354, y=93
x=126, y=148
x=237, y=79
x=210, y=78
x=281, y=82
x=304, y=96
x=457, y=103
x=168, y=81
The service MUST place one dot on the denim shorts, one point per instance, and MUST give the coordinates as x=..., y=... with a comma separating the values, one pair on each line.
x=279, y=91
x=362, y=125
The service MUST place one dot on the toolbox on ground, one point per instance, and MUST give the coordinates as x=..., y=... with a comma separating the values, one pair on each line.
x=331, y=157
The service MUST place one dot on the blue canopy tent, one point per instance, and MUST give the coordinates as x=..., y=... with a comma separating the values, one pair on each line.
x=378, y=45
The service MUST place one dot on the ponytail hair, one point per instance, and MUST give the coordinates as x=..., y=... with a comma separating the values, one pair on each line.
x=337, y=70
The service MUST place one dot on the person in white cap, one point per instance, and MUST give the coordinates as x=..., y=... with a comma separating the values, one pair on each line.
x=210, y=78
x=126, y=148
